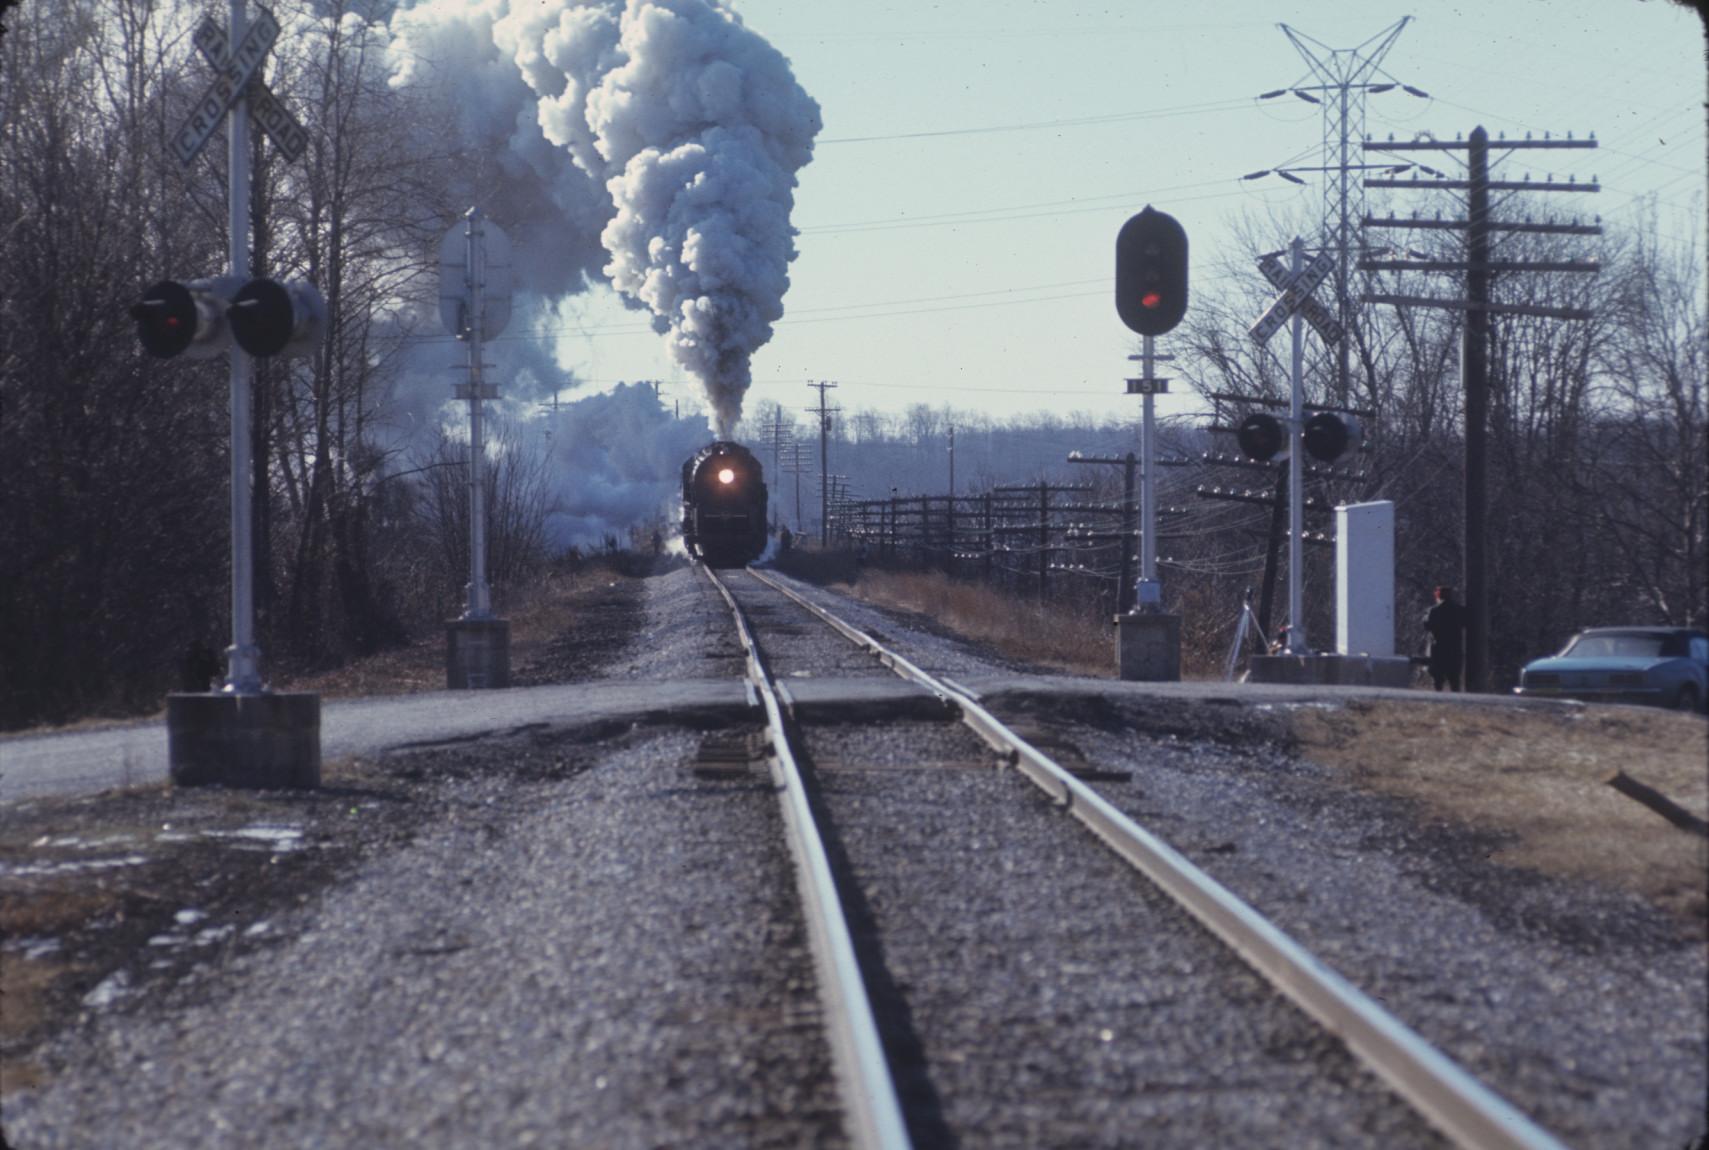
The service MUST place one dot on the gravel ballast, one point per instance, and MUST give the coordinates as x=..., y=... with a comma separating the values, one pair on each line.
x=609, y=956
x=1040, y=994
x=573, y=935
x=1586, y=1007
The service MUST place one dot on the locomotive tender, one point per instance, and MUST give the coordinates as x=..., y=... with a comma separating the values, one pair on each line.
x=724, y=505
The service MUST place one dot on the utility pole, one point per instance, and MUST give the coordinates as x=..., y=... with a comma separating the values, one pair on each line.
x=825, y=414
x=1272, y=546
x=776, y=442
x=1127, y=534
x=1478, y=226
x=795, y=469
x=1342, y=79
x=949, y=509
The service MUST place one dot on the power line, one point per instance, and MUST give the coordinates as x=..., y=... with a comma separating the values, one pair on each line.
x=1065, y=122
x=947, y=220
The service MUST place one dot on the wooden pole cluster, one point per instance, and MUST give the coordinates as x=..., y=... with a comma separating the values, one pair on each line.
x=1477, y=227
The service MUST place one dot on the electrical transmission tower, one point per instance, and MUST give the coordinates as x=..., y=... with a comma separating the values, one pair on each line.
x=1338, y=80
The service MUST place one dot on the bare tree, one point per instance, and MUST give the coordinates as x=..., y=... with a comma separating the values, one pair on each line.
x=1654, y=474
x=111, y=530
x=518, y=497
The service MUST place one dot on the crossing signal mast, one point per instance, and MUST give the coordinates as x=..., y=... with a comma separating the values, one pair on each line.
x=244, y=734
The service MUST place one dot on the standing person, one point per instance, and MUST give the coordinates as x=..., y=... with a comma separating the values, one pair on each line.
x=1446, y=623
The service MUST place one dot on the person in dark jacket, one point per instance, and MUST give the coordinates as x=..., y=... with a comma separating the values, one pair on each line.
x=1446, y=623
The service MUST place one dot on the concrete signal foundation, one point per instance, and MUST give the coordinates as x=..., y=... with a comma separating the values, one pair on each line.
x=265, y=741
x=1148, y=648
x=477, y=654
x=1343, y=670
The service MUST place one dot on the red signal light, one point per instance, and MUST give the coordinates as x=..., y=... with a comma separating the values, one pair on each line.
x=1151, y=300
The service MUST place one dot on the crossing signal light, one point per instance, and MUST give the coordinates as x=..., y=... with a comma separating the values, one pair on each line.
x=1260, y=436
x=201, y=319
x=182, y=319
x=1328, y=436
x=271, y=318
x=1151, y=272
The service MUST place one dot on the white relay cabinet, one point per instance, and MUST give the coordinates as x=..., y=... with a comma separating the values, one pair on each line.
x=1364, y=579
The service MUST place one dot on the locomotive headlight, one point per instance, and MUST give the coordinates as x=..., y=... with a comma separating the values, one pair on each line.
x=727, y=476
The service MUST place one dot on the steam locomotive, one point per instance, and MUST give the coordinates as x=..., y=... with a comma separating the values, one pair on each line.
x=723, y=505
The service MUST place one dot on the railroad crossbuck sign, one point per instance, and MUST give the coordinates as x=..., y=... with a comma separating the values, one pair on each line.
x=1296, y=297
x=237, y=75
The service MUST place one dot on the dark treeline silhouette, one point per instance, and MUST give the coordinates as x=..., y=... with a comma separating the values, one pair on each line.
x=114, y=522
x=1598, y=459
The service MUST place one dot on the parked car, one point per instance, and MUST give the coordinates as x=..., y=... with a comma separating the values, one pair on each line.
x=1663, y=666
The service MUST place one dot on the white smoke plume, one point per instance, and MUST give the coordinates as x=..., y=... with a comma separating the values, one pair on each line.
x=664, y=131
x=616, y=460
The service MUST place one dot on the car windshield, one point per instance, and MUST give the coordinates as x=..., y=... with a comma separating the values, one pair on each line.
x=1634, y=646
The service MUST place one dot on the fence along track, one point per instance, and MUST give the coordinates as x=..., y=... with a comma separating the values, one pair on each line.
x=1457, y=1104
x=869, y=1094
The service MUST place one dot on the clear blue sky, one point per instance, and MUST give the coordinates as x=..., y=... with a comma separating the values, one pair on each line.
x=958, y=220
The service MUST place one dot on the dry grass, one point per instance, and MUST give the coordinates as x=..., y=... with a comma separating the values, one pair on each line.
x=1026, y=631
x=28, y=986
x=1539, y=777
x=537, y=615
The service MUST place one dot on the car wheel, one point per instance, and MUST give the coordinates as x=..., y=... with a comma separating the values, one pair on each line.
x=1686, y=700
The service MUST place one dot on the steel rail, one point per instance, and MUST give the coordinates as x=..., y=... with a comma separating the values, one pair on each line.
x=1460, y=1106
x=863, y=1073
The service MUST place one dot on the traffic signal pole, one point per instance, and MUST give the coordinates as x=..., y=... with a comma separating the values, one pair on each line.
x=243, y=657
x=1151, y=299
x=1296, y=474
x=1149, y=594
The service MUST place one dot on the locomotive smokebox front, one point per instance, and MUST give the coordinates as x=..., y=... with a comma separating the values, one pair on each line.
x=724, y=505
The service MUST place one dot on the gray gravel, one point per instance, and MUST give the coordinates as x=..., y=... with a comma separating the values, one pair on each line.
x=1036, y=993
x=1585, y=1007
x=1033, y=990
x=687, y=634
x=795, y=643
x=937, y=653
x=612, y=959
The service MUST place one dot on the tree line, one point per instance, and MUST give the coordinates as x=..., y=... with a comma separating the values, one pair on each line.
x=114, y=530
x=1598, y=450
x=114, y=534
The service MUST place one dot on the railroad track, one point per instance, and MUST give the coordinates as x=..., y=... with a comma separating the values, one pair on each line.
x=770, y=619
